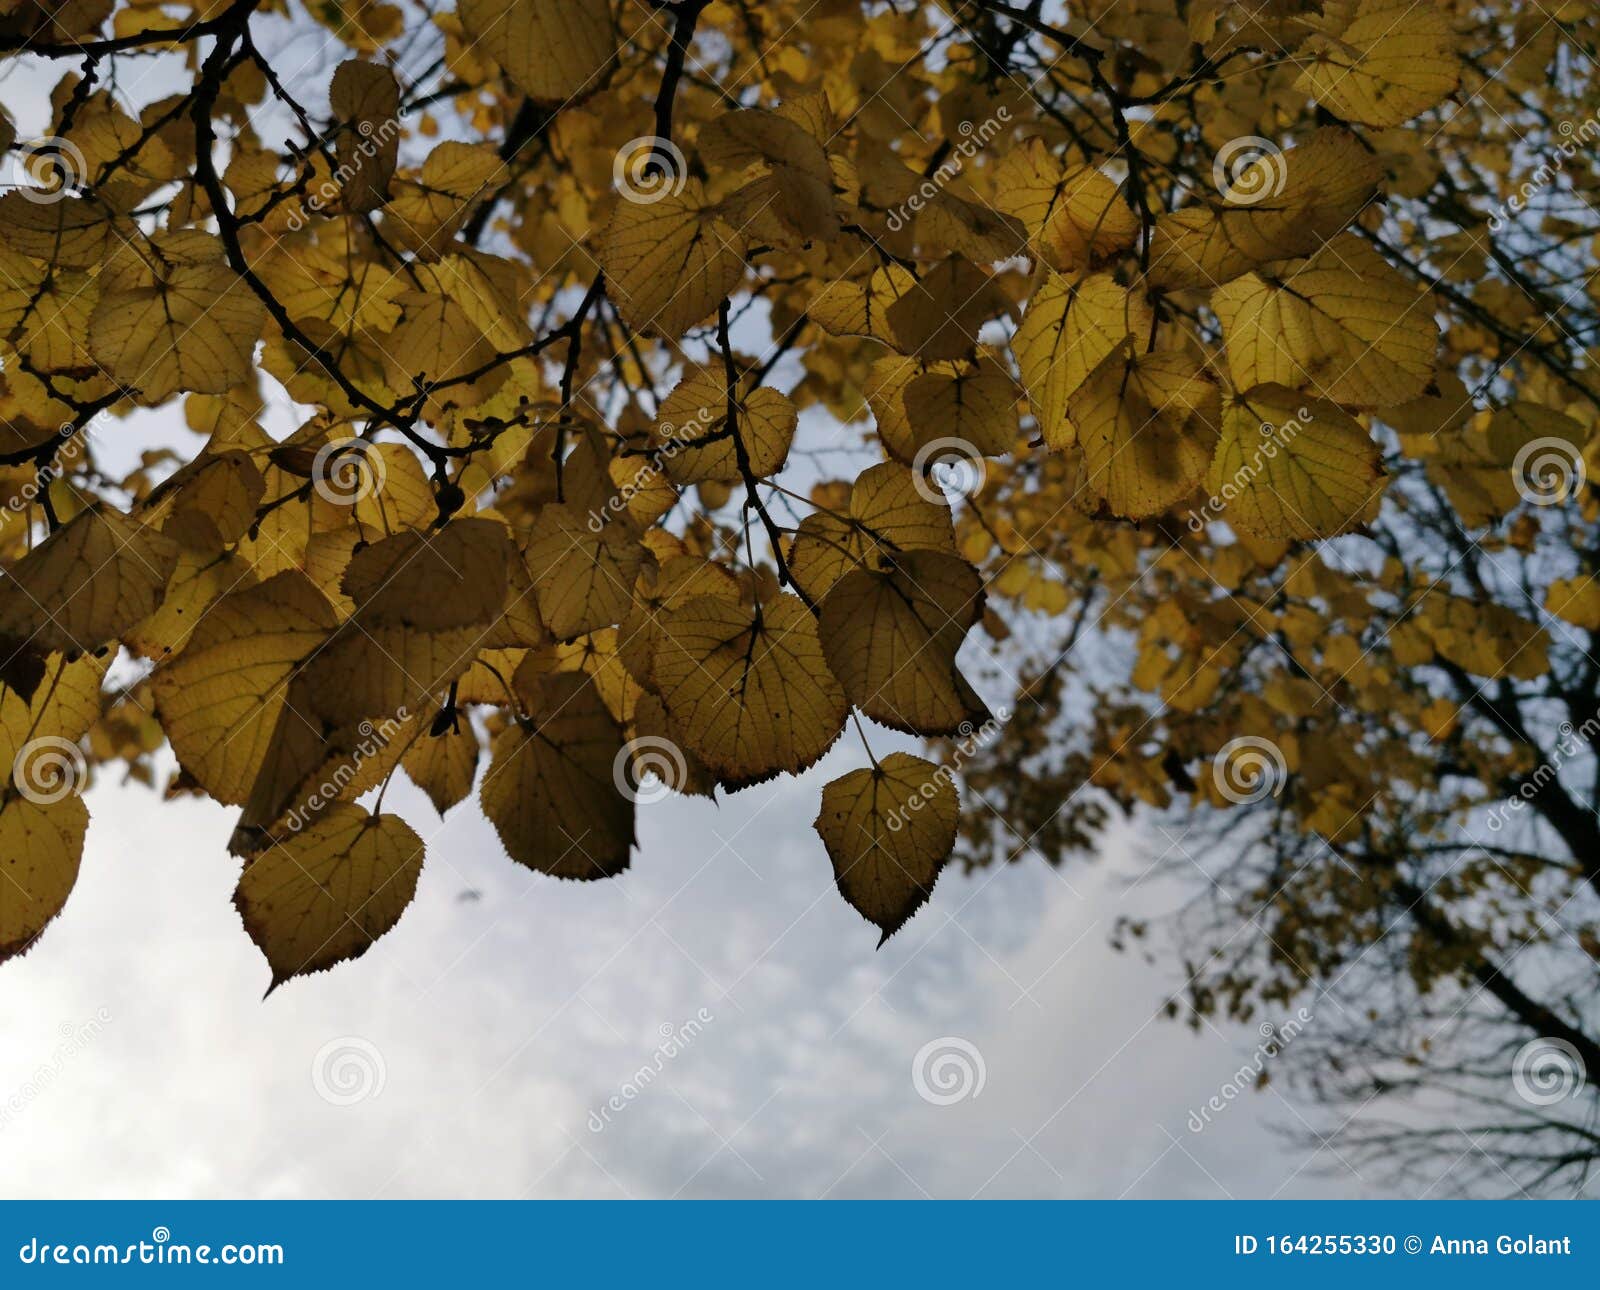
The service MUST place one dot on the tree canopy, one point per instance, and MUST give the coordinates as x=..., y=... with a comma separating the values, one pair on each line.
x=1185, y=403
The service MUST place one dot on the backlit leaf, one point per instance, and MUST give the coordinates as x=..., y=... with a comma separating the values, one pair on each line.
x=553, y=49
x=1343, y=326
x=552, y=791
x=322, y=896
x=748, y=687
x=890, y=635
x=888, y=830
x=87, y=583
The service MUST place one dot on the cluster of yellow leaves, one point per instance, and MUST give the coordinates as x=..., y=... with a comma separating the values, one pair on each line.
x=1308, y=316
x=461, y=550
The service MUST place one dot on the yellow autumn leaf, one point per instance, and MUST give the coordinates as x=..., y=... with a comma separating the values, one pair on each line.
x=1380, y=62
x=940, y=315
x=221, y=698
x=378, y=669
x=518, y=622
x=677, y=580
x=1147, y=425
x=790, y=196
x=1291, y=466
x=891, y=635
x=365, y=98
x=72, y=231
x=41, y=845
x=889, y=829
x=1069, y=327
x=1272, y=206
x=553, y=49
x=697, y=409
x=203, y=575
x=221, y=490
x=491, y=293
x=324, y=895
x=63, y=703
x=669, y=262
x=437, y=342
x=1577, y=600
x=860, y=308
x=976, y=231
x=1439, y=719
x=1485, y=639
x=916, y=403
x=748, y=688
x=583, y=567
x=443, y=766
x=426, y=209
x=1514, y=427
x=1075, y=216
x=86, y=584
x=51, y=321
x=454, y=576
x=1341, y=325
x=552, y=788
x=193, y=329
x=888, y=513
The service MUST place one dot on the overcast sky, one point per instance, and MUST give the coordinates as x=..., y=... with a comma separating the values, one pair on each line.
x=141, y=1060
